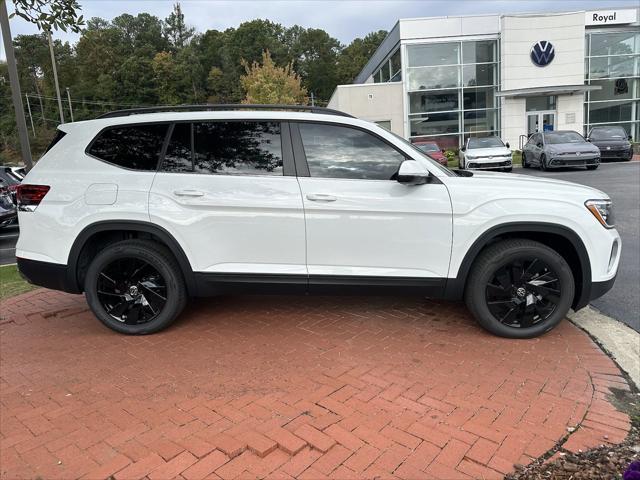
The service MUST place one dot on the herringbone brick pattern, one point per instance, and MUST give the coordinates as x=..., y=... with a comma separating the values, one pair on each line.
x=291, y=387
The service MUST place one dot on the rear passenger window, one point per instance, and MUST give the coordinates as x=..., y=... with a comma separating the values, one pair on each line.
x=334, y=151
x=237, y=148
x=132, y=146
x=178, y=157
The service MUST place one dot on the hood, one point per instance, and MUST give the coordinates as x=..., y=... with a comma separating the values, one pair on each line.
x=489, y=152
x=585, y=147
x=528, y=181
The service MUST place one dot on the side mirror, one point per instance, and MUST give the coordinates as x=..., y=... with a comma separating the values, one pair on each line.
x=507, y=145
x=630, y=137
x=412, y=173
x=588, y=139
x=463, y=148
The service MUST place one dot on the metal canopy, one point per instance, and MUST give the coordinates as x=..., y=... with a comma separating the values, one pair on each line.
x=553, y=90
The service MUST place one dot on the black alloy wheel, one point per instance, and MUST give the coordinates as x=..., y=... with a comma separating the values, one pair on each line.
x=132, y=291
x=135, y=287
x=523, y=292
x=519, y=288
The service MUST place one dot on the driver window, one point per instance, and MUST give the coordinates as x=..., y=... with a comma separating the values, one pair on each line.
x=335, y=151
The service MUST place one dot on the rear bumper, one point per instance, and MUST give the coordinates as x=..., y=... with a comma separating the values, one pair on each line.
x=44, y=274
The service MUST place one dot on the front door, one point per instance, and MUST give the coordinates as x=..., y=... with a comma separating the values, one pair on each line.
x=544, y=121
x=225, y=192
x=363, y=227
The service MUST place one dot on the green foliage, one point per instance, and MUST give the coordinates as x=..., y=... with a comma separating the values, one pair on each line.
x=50, y=14
x=269, y=84
x=138, y=60
x=11, y=283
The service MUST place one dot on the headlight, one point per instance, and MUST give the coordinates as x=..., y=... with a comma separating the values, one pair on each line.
x=602, y=210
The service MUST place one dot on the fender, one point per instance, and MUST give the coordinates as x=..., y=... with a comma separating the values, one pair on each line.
x=131, y=225
x=455, y=286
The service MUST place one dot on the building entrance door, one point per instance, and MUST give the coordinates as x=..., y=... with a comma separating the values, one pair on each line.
x=544, y=121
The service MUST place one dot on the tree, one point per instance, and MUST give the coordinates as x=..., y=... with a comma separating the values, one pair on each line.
x=270, y=84
x=176, y=30
x=355, y=56
x=164, y=69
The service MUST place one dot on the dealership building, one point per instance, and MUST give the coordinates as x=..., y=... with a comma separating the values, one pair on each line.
x=444, y=79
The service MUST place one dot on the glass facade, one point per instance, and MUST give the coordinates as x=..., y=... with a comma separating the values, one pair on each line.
x=451, y=88
x=390, y=70
x=613, y=63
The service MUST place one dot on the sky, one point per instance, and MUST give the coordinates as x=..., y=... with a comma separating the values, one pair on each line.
x=342, y=19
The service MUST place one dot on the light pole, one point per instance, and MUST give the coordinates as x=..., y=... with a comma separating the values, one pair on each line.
x=55, y=76
x=15, y=87
x=70, y=107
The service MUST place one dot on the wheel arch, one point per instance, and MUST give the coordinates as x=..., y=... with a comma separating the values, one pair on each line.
x=558, y=237
x=98, y=234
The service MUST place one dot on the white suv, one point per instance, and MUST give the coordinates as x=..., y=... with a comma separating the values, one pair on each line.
x=142, y=210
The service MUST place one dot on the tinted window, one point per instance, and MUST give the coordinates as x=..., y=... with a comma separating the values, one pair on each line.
x=178, y=156
x=237, y=148
x=342, y=152
x=613, y=133
x=132, y=146
x=563, y=137
x=57, y=137
x=486, y=142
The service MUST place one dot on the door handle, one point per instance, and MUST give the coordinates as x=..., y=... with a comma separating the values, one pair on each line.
x=188, y=193
x=321, y=197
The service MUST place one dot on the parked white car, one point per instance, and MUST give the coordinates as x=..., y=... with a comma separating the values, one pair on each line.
x=485, y=153
x=141, y=210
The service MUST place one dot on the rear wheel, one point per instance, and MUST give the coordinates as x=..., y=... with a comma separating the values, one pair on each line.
x=519, y=289
x=135, y=287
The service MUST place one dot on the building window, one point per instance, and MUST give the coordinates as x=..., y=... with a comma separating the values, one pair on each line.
x=541, y=103
x=390, y=70
x=613, y=63
x=451, y=88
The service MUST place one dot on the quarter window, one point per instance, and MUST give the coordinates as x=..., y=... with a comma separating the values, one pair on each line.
x=132, y=146
x=237, y=148
x=342, y=152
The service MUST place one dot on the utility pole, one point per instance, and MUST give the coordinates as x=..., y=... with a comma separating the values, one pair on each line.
x=15, y=87
x=55, y=76
x=26, y=96
x=70, y=107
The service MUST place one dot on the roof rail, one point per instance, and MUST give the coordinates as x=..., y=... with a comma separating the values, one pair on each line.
x=215, y=107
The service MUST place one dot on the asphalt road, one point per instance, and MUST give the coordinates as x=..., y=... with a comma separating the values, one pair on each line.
x=621, y=181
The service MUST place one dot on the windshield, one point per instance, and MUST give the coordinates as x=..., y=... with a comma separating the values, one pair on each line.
x=563, y=137
x=424, y=156
x=615, y=133
x=427, y=147
x=486, y=142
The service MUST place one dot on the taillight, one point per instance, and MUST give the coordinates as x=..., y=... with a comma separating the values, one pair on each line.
x=30, y=196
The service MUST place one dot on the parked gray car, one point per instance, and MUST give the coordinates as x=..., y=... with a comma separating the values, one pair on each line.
x=562, y=148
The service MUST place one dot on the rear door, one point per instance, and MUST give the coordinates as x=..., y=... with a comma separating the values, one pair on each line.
x=227, y=191
x=363, y=227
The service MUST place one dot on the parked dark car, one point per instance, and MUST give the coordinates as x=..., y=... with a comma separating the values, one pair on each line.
x=8, y=211
x=612, y=141
x=10, y=179
x=433, y=150
x=560, y=148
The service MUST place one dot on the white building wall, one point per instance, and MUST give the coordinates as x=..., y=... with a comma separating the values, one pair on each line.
x=376, y=102
x=570, y=112
x=514, y=122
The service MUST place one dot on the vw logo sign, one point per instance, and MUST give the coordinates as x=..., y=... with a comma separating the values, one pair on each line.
x=542, y=53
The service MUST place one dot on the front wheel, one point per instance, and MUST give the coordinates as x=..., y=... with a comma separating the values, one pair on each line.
x=135, y=287
x=543, y=163
x=592, y=167
x=519, y=289
x=525, y=164
x=507, y=169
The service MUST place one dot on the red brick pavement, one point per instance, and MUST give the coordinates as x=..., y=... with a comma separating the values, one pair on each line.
x=291, y=387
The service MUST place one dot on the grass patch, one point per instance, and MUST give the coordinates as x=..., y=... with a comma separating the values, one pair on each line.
x=11, y=283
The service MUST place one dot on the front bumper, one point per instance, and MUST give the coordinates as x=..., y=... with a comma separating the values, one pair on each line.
x=488, y=165
x=598, y=289
x=44, y=274
x=573, y=161
x=619, y=153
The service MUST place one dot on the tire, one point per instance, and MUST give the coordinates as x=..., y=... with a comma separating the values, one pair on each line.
x=592, y=167
x=525, y=164
x=507, y=169
x=156, y=276
x=483, y=282
x=543, y=163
